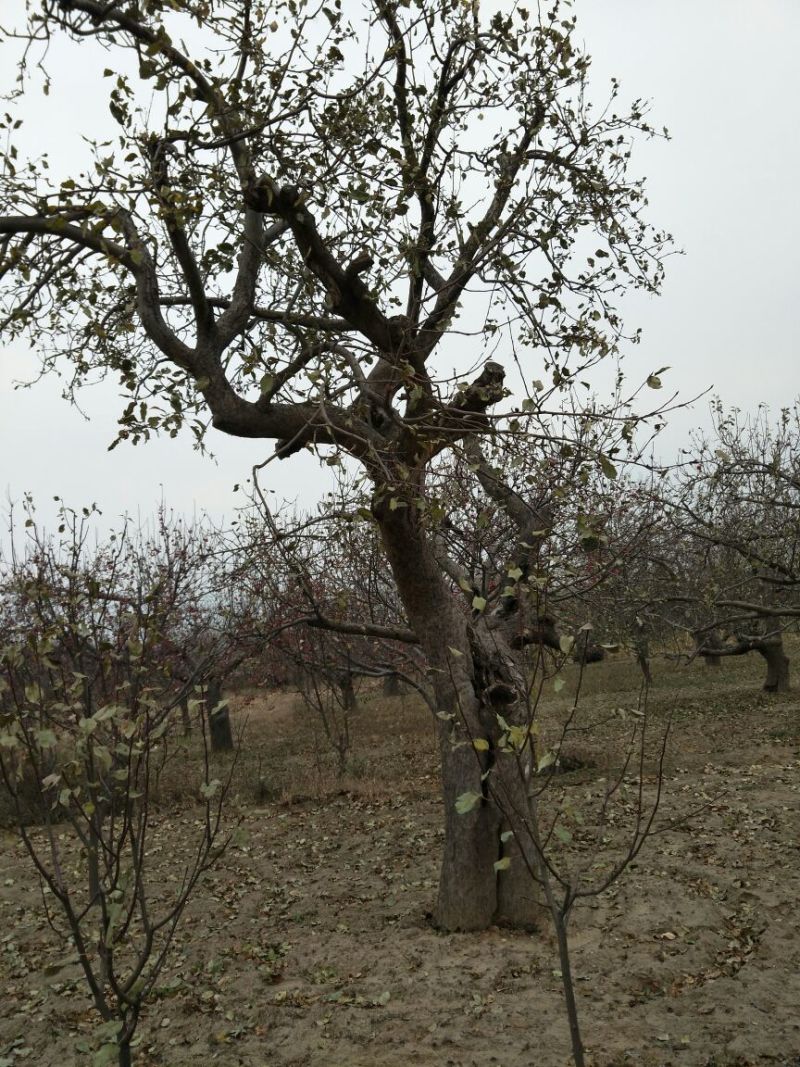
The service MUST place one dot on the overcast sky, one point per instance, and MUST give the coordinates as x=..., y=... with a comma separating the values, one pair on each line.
x=723, y=75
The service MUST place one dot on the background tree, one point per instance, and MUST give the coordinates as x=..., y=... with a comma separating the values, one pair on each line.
x=213, y=634
x=738, y=501
x=303, y=217
x=705, y=554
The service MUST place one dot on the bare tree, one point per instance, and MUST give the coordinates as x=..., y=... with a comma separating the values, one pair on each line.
x=705, y=554
x=718, y=566
x=739, y=498
x=86, y=707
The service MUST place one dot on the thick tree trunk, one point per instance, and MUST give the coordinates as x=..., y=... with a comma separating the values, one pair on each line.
x=587, y=651
x=472, y=893
x=186, y=722
x=641, y=649
x=467, y=896
x=709, y=641
x=219, y=719
x=777, y=680
x=770, y=647
x=391, y=686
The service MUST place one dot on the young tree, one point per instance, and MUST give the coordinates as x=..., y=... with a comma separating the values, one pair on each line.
x=87, y=702
x=305, y=219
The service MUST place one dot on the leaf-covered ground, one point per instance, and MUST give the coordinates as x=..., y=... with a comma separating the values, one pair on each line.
x=311, y=943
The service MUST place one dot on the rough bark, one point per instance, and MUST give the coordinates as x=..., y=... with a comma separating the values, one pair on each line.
x=500, y=684
x=186, y=723
x=770, y=647
x=219, y=719
x=709, y=642
x=470, y=672
x=392, y=686
x=587, y=651
x=641, y=650
x=777, y=680
x=347, y=693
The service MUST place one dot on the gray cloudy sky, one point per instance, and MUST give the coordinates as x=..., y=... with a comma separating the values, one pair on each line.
x=722, y=75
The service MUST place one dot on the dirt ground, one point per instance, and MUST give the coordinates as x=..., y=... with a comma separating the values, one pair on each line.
x=311, y=943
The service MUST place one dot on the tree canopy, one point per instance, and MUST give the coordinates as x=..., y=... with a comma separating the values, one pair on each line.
x=303, y=201
x=343, y=227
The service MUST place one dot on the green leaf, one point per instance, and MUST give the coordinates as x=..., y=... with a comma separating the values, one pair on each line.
x=109, y=1050
x=240, y=837
x=566, y=643
x=46, y=738
x=545, y=761
x=518, y=737
x=558, y=685
x=607, y=467
x=108, y=711
x=102, y=756
x=105, y=1055
x=479, y=603
x=503, y=864
x=480, y=744
x=208, y=789
x=33, y=693
x=467, y=801
x=562, y=834
x=506, y=835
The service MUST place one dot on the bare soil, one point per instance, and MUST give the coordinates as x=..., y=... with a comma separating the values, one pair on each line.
x=311, y=943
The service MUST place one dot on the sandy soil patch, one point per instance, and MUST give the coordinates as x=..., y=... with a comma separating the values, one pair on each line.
x=311, y=944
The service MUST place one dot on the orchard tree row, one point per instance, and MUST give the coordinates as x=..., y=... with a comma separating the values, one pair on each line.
x=112, y=651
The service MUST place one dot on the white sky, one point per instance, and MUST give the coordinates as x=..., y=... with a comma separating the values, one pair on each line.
x=723, y=76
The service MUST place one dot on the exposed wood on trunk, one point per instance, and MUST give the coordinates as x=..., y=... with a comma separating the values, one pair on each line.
x=474, y=675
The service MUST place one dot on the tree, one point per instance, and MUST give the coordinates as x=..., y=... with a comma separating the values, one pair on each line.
x=706, y=552
x=303, y=219
x=87, y=702
x=210, y=635
x=738, y=501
